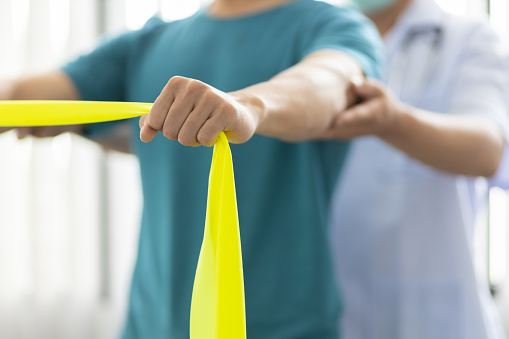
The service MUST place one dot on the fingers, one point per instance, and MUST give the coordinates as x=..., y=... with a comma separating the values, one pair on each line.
x=47, y=131
x=362, y=119
x=373, y=115
x=178, y=114
x=368, y=89
x=23, y=132
x=203, y=125
x=360, y=114
x=189, y=134
x=189, y=111
x=162, y=105
x=147, y=133
x=208, y=133
x=142, y=121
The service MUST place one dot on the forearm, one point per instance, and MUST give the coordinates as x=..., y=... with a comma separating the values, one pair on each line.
x=6, y=88
x=458, y=144
x=48, y=86
x=300, y=103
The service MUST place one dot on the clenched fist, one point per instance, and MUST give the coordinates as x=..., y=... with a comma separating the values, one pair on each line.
x=194, y=113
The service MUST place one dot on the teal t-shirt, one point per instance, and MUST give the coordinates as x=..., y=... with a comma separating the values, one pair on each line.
x=283, y=189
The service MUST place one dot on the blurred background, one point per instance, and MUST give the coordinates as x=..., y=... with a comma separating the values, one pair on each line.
x=69, y=211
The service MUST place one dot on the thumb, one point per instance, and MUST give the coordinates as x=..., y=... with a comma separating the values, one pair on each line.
x=147, y=133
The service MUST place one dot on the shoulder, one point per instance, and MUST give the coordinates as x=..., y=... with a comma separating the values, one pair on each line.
x=155, y=27
x=132, y=38
x=346, y=29
x=339, y=20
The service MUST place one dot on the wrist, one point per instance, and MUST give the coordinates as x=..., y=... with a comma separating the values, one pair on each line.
x=253, y=105
x=397, y=122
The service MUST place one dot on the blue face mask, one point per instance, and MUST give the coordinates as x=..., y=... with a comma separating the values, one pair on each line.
x=371, y=6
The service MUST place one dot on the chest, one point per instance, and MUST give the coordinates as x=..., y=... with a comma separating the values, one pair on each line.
x=420, y=68
x=224, y=58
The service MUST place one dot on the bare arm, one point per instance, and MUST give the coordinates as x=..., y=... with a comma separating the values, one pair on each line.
x=300, y=103
x=297, y=104
x=49, y=86
x=459, y=144
x=54, y=86
x=454, y=143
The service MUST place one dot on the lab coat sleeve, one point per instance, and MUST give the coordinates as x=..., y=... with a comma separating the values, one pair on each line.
x=482, y=86
x=344, y=29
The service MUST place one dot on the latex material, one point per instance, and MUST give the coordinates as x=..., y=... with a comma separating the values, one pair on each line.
x=217, y=308
x=51, y=113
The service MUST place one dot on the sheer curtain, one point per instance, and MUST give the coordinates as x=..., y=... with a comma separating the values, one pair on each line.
x=69, y=211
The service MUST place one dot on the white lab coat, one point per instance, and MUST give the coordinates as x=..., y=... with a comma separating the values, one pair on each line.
x=402, y=232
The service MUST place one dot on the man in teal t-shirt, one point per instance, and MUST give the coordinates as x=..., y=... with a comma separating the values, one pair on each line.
x=271, y=74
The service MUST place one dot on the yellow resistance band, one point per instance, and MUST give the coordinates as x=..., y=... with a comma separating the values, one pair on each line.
x=17, y=113
x=217, y=307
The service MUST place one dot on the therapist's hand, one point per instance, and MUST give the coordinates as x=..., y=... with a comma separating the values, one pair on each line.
x=194, y=113
x=375, y=113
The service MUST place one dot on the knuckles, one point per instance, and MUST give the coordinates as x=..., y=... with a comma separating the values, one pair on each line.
x=170, y=134
x=205, y=99
x=155, y=121
x=205, y=140
x=186, y=85
x=195, y=87
x=186, y=139
x=210, y=97
x=176, y=82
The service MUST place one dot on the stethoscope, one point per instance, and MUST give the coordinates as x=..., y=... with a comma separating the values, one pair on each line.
x=413, y=65
x=399, y=68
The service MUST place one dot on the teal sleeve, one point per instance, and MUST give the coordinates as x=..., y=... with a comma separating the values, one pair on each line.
x=347, y=30
x=103, y=74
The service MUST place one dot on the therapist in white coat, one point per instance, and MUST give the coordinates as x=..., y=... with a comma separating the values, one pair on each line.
x=406, y=208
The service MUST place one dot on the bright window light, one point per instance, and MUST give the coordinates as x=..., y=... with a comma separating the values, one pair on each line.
x=458, y=7
x=177, y=9
x=138, y=12
x=464, y=7
x=59, y=20
x=499, y=11
x=20, y=10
